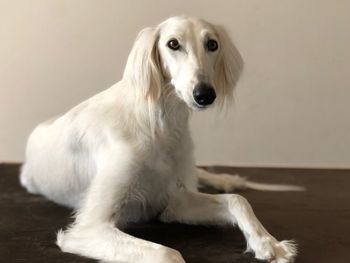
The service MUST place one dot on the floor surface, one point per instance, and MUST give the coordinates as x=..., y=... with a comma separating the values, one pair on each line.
x=318, y=219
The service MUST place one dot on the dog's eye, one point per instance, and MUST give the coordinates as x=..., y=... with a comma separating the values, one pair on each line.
x=212, y=45
x=173, y=44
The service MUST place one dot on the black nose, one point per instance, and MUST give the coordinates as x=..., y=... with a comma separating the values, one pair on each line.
x=204, y=94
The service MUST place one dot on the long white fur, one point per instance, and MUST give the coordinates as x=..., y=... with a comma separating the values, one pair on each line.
x=229, y=183
x=125, y=155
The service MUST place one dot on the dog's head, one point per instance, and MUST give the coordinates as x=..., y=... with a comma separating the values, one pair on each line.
x=197, y=58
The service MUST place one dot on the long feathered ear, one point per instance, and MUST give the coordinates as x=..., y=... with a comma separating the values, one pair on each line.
x=143, y=66
x=228, y=67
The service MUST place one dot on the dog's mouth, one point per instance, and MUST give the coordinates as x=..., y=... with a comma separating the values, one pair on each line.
x=198, y=107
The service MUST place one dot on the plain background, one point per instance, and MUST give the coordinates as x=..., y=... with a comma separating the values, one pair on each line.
x=292, y=105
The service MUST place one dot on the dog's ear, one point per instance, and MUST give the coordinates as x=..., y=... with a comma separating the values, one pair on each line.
x=228, y=67
x=143, y=66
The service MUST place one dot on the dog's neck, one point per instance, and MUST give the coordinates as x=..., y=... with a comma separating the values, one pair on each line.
x=166, y=114
x=172, y=112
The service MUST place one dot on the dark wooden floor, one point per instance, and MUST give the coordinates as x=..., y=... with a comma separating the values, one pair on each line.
x=318, y=219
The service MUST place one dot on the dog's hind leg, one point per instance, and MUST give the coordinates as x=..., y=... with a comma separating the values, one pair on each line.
x=26, y=181
x=229, y=183
x=221, y=182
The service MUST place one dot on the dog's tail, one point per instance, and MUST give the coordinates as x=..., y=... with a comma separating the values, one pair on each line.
x=273, y=187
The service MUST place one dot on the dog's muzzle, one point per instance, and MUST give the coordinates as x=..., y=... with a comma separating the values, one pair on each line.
x=204, y=94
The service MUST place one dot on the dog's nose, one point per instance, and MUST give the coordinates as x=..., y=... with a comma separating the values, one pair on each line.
x=204, y=94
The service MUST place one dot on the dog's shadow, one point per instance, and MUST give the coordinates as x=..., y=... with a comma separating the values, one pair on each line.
x=197, y=244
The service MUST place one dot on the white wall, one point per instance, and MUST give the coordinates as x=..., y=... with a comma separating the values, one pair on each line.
x=291, y=108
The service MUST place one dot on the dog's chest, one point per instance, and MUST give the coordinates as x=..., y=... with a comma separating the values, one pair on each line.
x=157, y=176
x=148, y=195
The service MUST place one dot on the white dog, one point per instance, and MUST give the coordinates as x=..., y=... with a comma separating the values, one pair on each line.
x=125, y=155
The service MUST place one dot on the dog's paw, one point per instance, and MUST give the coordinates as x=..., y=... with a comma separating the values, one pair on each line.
x=269, y=249
x=229, y=183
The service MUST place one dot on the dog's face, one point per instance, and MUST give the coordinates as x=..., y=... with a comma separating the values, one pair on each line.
x=195, y=57
x=188, y=51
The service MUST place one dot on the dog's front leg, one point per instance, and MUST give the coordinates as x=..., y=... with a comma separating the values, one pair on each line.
x=94, y=235
x=199, y=208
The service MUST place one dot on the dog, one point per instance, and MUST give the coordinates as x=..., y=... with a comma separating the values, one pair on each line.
x=126, y=154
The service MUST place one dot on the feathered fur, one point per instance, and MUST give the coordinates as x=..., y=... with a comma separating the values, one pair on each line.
x=126, y=154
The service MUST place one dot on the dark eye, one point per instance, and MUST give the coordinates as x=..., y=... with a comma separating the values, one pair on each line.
x=212, y=45
x=173, y=44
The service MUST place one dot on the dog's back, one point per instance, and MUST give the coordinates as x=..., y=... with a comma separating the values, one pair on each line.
x=58, y=163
